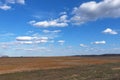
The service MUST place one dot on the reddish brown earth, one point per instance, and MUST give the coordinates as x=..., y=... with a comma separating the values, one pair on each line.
x=10, y=65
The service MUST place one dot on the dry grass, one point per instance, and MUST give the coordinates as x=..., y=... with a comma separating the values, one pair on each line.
x=11, y=65
x=81, y=72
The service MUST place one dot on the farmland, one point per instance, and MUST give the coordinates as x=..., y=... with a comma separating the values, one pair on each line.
x=60, y=68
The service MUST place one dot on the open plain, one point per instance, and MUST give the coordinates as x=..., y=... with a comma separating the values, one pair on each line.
x=60, y=68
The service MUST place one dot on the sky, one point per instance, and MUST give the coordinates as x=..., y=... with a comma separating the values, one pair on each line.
x=59, y=27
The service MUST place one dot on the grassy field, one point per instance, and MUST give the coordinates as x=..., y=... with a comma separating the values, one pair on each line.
x=60, y=68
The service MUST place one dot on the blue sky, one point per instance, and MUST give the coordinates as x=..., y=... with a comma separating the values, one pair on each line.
x=59, y=27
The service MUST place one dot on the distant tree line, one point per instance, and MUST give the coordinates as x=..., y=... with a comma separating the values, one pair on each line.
x=97, y=55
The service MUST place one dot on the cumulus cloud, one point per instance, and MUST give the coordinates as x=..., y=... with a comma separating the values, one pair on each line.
x=5, y=7
x=110, y=31
x=60, y=22
x=99, y=42
x=50, y=36
x=7, y=4
x=90, y=11
x=24, y=38
x=31, y=40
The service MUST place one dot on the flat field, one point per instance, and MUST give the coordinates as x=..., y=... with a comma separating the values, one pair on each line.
x=60, y=68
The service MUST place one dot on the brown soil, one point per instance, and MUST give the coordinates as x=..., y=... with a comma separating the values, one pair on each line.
x=11, y=65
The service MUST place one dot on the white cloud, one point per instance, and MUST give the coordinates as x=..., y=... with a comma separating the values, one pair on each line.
x=54, y=31
x=44, y=38
x=46, y=31
x=7, y=4
x=24, y=38
x=49, y=24
x=31, y=40
x=83, y=45
x=20, y=1
x=63, y=13
x=61, y=42
x=99, y=42
x=25, y=42
x=110, y=31
x=92, y=10
x=10, y=1
x=32, y=22
x=15, y=1
x=43, y=41
x=5, y=7
x=60, y=22
x=63, y=18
